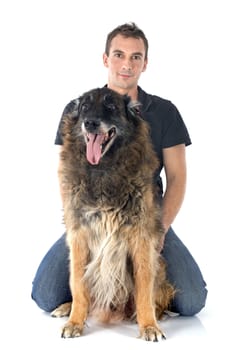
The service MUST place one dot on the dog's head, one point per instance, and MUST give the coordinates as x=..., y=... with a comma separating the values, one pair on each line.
x=98, y=121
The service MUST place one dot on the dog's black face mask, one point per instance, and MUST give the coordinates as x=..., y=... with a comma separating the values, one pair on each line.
x=103, y=118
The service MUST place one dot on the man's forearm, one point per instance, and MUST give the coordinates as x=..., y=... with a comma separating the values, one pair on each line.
x=172, y=202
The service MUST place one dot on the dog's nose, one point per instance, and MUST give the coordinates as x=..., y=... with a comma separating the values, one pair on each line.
x=91, y=125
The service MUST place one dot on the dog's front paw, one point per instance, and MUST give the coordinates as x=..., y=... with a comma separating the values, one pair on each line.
x=71, y=330
x=151, y=333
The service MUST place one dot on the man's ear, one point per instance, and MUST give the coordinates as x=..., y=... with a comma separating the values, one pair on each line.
x=105, y=60
x=145, y=65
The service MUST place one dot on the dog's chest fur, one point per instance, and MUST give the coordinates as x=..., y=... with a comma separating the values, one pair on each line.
x=107, y=275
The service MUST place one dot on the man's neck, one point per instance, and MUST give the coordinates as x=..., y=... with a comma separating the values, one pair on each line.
x=132, y=93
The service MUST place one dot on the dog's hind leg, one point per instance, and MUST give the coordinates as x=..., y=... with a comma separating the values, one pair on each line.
x=163, y=297
x=163, y=292
x=62, y=310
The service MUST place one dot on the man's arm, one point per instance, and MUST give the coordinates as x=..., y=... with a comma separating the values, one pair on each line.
x=175, y=171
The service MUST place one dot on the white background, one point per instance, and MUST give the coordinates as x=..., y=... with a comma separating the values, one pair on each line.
x=51, y=52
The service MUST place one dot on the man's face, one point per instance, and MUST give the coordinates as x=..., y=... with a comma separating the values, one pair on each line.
x=125, y=63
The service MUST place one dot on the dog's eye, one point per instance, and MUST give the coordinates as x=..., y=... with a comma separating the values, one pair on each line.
x=111, y=106
x=84, y=107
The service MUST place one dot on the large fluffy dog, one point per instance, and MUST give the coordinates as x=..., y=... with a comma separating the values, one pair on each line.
x=112, y=217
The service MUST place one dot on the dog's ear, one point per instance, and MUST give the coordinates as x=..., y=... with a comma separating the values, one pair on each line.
x=69, y=117
x=134, y=108
x=109, y=101
x=72, y=108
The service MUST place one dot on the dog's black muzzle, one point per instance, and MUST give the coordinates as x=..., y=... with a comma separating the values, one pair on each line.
x=92, y=125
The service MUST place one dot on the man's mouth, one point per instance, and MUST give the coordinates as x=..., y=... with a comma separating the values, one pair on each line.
x=98, y=144
x=125, y=74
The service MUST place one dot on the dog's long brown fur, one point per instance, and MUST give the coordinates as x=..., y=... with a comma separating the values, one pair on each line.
x=112, y=216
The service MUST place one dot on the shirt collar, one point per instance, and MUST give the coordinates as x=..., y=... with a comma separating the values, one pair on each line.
x=144, y=99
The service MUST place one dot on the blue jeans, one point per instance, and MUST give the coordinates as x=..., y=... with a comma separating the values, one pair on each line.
x=51, y=283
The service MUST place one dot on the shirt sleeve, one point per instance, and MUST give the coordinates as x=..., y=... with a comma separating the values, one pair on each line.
x=174, y=129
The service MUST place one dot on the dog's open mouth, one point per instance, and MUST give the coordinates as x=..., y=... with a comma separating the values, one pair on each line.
x=98, y=144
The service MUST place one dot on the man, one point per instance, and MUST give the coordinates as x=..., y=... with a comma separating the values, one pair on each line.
x=126, y=57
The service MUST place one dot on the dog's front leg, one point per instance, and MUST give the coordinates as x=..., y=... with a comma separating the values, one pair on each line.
x=144, y=274
x=80, y=295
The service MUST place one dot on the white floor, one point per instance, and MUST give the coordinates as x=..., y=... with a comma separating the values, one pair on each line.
x=25, y=325
x=38, y=330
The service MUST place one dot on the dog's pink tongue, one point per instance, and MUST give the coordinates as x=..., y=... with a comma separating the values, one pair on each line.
x=94, y=150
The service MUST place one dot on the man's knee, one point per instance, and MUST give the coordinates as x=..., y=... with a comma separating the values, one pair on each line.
x=41, y=299
x=190, y=304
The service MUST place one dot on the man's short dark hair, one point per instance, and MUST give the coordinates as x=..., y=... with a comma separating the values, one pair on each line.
x=127, y=30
